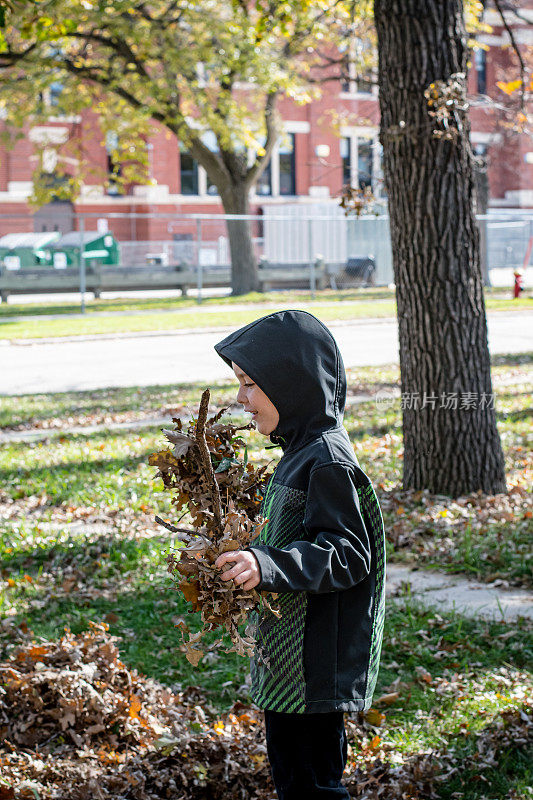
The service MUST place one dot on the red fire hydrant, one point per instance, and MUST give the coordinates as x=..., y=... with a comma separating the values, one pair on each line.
x=518, y=283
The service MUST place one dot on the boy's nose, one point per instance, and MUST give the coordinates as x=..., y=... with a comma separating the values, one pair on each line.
x=241, y=396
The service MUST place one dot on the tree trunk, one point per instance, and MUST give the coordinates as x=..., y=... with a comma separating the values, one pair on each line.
x=244, y=274
x=444, y=356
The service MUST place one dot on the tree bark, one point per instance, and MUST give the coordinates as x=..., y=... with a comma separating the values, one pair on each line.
x=435, y=241
x=234, y=178
x=244, y=272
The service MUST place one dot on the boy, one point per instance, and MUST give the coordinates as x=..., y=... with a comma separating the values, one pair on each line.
x=322, y=551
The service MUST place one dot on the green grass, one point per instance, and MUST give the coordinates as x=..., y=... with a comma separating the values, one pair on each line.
x=78, y=543
x=35, y=328
x=120, y=576
x=106, y=472
x=65, y=409
x=117, y=316
x=128, y=303
x=458, y=676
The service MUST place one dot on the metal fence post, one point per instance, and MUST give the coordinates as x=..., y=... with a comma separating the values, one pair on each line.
x=198, y=260
x=312, y=276
x=82, y=263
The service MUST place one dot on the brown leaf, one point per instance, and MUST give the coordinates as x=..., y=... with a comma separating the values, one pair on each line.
x=187, y=567
x=229, y=544
x=388, y=699
x=423, y=675
x=374, y=743
x=181, y=441
x=374, y=717
x=135, y=707
x=68, y=585
x=190, y=591
x=194, y=656
x=164, y=460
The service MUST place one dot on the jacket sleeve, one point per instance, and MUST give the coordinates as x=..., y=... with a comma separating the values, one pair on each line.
x=335, y=554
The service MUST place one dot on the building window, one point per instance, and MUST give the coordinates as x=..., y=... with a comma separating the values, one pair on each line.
x=188, y=172
x=264, y=182
x=346, y=72
x=55, y=90
x=358, y=75
x=361, y=161
x=287, y=166
x=480, y=61
x=114, y=169
x=210, y=141
x=364, y=163
x=346, y=156
x=366, y=81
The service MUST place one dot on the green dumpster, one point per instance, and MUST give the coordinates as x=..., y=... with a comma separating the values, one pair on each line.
x=99, y=248
x=20, y=250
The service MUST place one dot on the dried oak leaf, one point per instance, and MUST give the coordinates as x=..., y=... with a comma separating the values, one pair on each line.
x=180, y=440
x=191, y=591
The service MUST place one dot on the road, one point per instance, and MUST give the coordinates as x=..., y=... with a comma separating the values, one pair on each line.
x=170, y=358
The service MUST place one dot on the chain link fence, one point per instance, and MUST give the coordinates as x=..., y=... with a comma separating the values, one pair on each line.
x=191, y=252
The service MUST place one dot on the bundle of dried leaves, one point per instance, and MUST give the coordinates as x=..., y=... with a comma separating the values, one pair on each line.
x=222, y=492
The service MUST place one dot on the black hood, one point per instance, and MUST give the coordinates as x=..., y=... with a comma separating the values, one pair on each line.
x=295, y=360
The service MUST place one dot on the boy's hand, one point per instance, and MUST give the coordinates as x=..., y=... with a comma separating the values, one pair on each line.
x=245, y=571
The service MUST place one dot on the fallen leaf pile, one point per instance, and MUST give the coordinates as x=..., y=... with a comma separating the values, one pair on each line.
x=432, y=529
x=77, y=724
x=222, y=494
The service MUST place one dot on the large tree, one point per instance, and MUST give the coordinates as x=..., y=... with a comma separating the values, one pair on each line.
x=451, y=443
x=207, y=65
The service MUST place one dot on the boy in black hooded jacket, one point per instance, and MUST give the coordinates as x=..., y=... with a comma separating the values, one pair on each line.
x=322, y=551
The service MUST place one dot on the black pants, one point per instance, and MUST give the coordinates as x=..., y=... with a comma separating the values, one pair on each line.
x=307, y=754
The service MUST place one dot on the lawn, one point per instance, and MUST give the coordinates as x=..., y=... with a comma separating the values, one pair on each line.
x=104, y=473
x=129, y=304
x=449, y=685
x=78, y=543
x=28, y=321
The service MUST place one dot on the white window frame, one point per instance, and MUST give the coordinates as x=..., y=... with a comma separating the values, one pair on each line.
x=289, y=126
x=354, y=133
x=353, y=85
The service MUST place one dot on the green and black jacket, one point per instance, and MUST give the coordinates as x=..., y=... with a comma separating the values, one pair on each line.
x=323, y=548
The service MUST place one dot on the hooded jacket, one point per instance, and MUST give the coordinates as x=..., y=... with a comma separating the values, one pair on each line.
x=323, y=548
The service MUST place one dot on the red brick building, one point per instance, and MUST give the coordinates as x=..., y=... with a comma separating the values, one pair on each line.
x=312, y=162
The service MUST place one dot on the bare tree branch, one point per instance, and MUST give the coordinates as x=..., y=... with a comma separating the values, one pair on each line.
x=119, y=46
x=13, y=56
x=255, y=169
x=516, y=48
x=205, y=460
x=298, y=36
x=175, y=528
x=513, y=8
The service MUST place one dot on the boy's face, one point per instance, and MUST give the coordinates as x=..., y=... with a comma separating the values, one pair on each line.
x=264, y=413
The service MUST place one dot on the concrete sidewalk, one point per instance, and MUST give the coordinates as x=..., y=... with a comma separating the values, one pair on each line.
x=171, y=357
x=457, y=593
